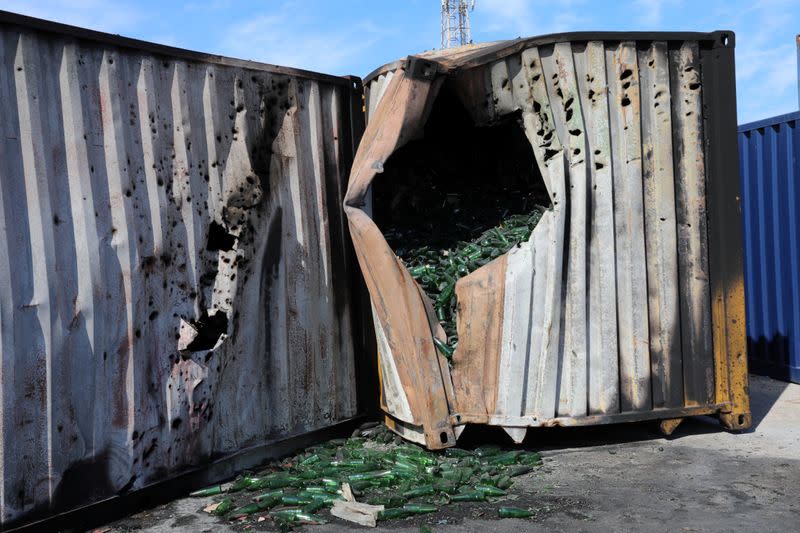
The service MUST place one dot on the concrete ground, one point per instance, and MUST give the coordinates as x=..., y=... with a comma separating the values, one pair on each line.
x=616, y=478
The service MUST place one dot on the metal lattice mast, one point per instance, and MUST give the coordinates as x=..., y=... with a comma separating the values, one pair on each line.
x=456, y=29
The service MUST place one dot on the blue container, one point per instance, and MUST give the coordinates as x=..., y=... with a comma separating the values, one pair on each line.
x=769, y=158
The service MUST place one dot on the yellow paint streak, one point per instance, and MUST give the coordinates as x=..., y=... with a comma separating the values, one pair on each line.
x=730, y=353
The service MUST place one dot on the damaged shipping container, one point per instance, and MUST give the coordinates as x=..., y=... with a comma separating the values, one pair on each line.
x=177, y=286
x=626, y=303
x=179, y=295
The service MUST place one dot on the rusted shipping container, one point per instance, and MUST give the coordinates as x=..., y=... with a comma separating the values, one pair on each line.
x=627, y=302
x=176, y=280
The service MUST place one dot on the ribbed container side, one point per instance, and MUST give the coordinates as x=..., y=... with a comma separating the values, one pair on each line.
x=174, y=266
x=769, y=157
x=626, y=302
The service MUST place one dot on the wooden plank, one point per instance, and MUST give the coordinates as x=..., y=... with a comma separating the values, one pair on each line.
x=626, y=162
x=687, y=117
x=602, y=312
x=660, y=227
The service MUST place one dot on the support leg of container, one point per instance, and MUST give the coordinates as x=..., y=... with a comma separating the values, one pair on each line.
x=668, y=425
x=516, y=434
x=736, y=421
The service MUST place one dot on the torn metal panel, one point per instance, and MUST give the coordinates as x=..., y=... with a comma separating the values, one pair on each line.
x=175, y=274
x=605, y=313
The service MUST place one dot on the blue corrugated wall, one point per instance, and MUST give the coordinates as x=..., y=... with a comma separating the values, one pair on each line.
x=769, y=158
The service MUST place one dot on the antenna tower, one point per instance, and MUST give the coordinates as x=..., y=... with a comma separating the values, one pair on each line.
x=456, y=30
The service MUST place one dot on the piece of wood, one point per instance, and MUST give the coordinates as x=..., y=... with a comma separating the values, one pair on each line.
x=358, y=513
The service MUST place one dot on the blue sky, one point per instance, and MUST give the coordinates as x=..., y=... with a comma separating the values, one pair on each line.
x=355, y=36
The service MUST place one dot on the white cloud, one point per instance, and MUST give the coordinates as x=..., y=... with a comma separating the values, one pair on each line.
x=288, y=36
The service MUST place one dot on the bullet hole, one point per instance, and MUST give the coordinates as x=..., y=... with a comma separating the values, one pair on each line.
x=560, y=93
x=627, y=73
x=597, y=152
x=694, y=86
x=134, y=435
x=626, y=85
x=138, y=334
x=56, y=220
x=575, y=132
x=651, y=63
x=569, y=115
x=537, y=107
x=598, y=166
x=209, y=330
x=176, y=423
x=153, y=315
x=576, y=151
x=536, y=77
x=591, y=94
x=568, y=103
x=625, y=101
x=19, y=69
x=240, y=108
x=128, y=193
x=550, y=154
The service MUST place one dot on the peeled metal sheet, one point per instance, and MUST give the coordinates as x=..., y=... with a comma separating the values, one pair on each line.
x=175, y=278
x=605, y=313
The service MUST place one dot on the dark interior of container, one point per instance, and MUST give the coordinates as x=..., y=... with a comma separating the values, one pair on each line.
x=457, y=181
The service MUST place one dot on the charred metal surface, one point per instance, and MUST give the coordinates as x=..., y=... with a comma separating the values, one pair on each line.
x=176, y=280
x=624, y=303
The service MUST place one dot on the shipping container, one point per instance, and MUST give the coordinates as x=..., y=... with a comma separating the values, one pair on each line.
x=179, y=293
x=177, y=286
x=769, y=159
x=627, y=301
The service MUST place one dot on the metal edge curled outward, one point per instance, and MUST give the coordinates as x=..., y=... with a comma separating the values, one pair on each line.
x=661, y=123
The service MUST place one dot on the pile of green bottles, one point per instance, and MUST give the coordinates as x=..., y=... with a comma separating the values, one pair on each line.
x=438, y=269
x=406, y=479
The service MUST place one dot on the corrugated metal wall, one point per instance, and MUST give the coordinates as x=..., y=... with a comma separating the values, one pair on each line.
x=769, y=157
x=147, y=200
x=606, y=313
